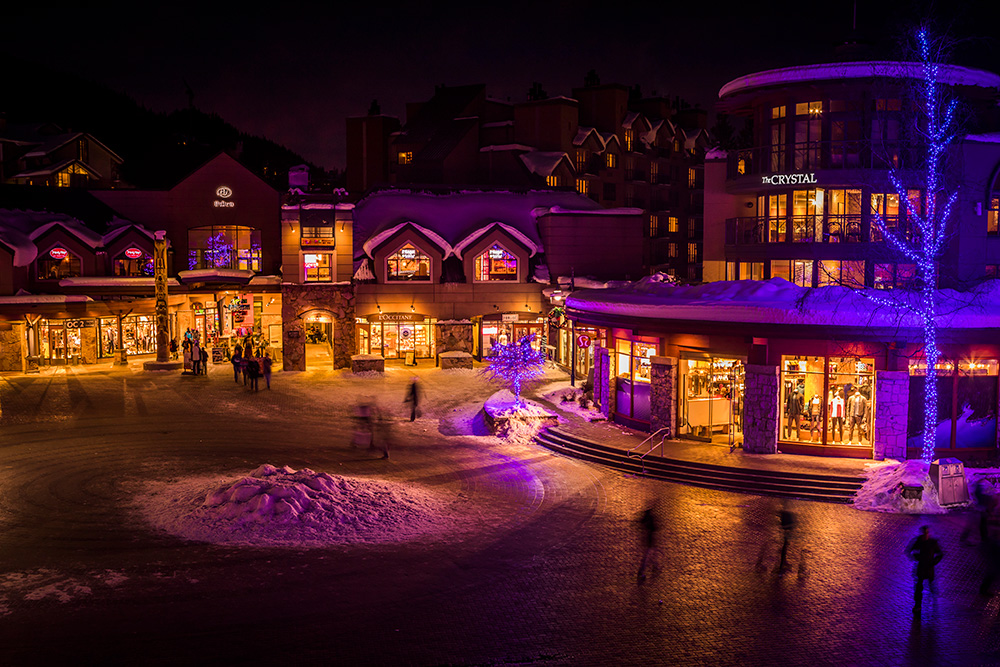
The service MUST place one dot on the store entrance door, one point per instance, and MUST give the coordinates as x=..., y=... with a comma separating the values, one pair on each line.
x=319, y=344
x=711, y=400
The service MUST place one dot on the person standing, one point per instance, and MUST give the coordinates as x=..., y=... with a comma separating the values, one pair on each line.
x=925, y=551
x=413, y=397
x=196, y=358
x=650, y=526
x=237, y=360
x=253, y=371
x=265, y=369
x=173, y=348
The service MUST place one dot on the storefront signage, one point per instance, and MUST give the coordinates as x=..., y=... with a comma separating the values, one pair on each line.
x=133, y=253
x=78, y=324
x=496, y=253
x=396, y=317
x=322, y=242
x=788, y=179
x=59, y=253
x=583, y=341
x=509, y=317
x=223, y=193
x=408, y=253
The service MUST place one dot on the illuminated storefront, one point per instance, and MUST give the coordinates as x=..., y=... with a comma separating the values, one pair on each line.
x=632, y=383
x=61, y=341
x=505, y=328
x=827, y=400
x=711, y=405
x=139, y=332
x=393, y=335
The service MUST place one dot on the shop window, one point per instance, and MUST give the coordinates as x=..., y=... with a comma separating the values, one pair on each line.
x=318, y=267
x=751, y=270
x=828, y=401
x=633, y=366
x=848, y=273
x=807, y=216
x=992, y=216
x=966, y=407
x=57, y=264
x=224, y=247
x=495, y=263
x=133, y=263
x=408, y=263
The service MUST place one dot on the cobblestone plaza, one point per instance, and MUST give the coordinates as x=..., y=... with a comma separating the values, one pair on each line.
x=544, y=573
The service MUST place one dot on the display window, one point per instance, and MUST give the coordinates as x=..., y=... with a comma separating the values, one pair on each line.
x=712, y=399
x=633, y=368
x=967, y=404
x=133, y=263
x=828, y=400
x=139, y=332
x=495, y=263
x=394, y=339
x=58, y=265
x=224, y=247
x=318, y=267
x=60, y=340
x=408, y=263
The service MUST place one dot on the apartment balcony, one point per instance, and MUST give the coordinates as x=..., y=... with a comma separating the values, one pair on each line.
x=816, y=156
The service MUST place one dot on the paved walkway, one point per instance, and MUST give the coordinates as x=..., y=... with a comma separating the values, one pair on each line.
x=542, y=572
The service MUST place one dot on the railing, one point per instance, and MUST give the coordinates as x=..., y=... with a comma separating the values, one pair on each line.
x=794, y=229
x=634, y=452
x=813, y=155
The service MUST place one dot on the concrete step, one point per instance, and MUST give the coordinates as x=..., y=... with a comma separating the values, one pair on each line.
x=829, y=488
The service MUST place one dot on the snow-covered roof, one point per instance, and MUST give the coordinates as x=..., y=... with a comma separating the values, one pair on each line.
x=543, y=163
x=455, y=215
x=375, y=241
x=47, y=170
x=364, y=272
x=24, y=299
x=505, y=147
x=561, y=210
x=205, y=275
x=987, y=138
x=114, y=281
x=119, y=227
x=947, y=74
x=76, y=228
x=777, y=301
x=460, y=247
x=716, y=154
x=630, y=118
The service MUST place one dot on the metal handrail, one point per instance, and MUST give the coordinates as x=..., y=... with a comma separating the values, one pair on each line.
x=642, y=457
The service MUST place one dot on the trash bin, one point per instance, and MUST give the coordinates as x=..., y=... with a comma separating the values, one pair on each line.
x=948, y=476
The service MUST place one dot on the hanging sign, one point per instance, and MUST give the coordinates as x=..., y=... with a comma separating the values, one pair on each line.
x=583, y=340
x=59, y=253
x=133, y=253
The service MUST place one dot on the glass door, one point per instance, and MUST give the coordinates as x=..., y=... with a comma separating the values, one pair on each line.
x=390, y=341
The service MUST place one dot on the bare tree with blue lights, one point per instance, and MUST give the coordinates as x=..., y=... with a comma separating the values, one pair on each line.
x=513, y=364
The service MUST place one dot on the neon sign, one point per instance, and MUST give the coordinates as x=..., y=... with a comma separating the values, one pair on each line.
x=223, y=193
x=59, y=253
x=133, y=253
x=788, y=179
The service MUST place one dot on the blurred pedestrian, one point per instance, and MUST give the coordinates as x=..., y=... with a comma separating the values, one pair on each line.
x=363, y=432
x=649, y=525
x=413, y=397
x=991, y=557
x=173, y=348
x=253, y=372
x=237, y=361
x=979, y=517
x=927, y=553
x=265, y=369
x=787, y=519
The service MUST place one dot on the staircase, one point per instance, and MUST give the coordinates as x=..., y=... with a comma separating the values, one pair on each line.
x=826, y=488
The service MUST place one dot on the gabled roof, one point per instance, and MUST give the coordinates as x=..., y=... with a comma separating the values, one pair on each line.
x=529, y=245
x=377, y=240
x=56, y=142
x=48, y=170
x=582, y=133
x=543, y=163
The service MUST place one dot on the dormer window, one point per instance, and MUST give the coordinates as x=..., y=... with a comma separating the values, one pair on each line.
x=58, y=263
x=133, y=263
x=408, y=263
x=495, y=263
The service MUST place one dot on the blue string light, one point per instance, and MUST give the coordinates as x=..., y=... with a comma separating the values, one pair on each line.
x=513, y=364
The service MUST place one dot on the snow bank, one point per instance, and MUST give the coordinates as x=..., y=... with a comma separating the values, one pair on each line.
x=285, y=507
x=882, y=490
x=516, y=423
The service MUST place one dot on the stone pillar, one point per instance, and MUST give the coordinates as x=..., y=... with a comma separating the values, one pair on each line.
x=663, y=394
x=453, y=336
x=603, y=379
x=892, y=406
x=761, y=416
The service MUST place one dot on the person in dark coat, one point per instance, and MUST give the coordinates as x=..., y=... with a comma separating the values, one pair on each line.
x=413, y=397
x=237, y=361
x=253, y=371
x=926, y=552
x=265, y=369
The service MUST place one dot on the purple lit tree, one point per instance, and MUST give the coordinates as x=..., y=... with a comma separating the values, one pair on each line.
x=513, y=364
x=923, y=241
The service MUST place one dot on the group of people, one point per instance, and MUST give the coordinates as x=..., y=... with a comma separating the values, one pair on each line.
x=251, y=366
x=195, y=356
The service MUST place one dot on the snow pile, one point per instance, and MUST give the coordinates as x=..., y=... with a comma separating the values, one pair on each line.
x=883, y=489
x=518, y=422
x=555, y=393
x=285, y=507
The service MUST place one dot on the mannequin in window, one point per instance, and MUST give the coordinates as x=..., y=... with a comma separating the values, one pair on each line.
x=793, y=409
x=857, y=409
x=835, y=409
x=815, y=411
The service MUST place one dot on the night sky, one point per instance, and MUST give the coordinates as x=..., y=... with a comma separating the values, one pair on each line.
x=293, y=74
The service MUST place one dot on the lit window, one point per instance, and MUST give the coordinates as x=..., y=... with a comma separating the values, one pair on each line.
x=777, y=112
x=653, y=171
x=408, y=263
x=71, y=175
x=654, y=225
x=741, y=166
x=405, y=157
x=58, y=263
x=582, y=186
x=611, y=160
x=672, y=250
x=809, y=109
x=673, y=224
x=552, y=181
x=133, y=263
x=495, y=263
x=317, y=236
x=692, y=177
x=692, y=253
x=628, y=139
x=318, y=267
x=581, y=160
x=991, y=217
x=224, y=247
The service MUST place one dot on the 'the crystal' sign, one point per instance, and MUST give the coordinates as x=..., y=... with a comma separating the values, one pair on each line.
x=789, y=179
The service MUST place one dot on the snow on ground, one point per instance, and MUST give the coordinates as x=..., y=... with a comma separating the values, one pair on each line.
x=521, y=421
x=882, y=490
x=555, y=392
x=285, y=507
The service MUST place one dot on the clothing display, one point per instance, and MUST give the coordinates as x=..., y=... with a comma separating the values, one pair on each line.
x=836, y=411
x=793, y=409
x=857, y=410
x=815, y=416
